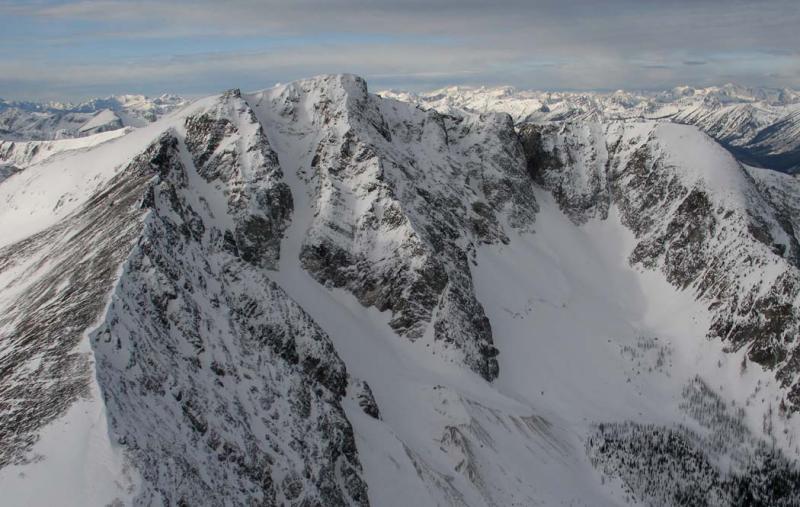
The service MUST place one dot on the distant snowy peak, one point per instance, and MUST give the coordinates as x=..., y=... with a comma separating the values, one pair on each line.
x=757, y=124
x=474, y=97
x=32, y=121
x=732, y=93
x=114, y=102
x=17, y=155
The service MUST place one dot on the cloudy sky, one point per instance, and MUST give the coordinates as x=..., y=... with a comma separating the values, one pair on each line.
x=76, y=49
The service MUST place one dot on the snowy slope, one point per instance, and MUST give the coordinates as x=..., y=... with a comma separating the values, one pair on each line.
x=452, y=450
x=17, y=155
x=310, y=295
x=102, y=121
x=698, y=217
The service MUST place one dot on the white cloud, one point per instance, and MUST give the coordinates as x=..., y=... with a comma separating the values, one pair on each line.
x=546, y=44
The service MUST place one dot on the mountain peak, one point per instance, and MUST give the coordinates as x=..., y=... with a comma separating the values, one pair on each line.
x=312, y=295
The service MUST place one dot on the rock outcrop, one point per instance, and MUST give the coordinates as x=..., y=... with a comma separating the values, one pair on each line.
x=402, y=198
x=218, y=385
x=698, y=217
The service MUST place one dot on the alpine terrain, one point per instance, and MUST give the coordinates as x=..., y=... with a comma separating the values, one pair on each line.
x=760, y=126
x=312, y=295
x=31, y=132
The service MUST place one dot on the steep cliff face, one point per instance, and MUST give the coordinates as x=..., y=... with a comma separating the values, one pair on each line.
x=401, y=197
x=698, y=217
x=220, y=386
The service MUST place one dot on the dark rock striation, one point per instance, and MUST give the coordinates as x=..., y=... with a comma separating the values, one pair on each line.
x=698, y=216
x=219, y=386
x=402, y=198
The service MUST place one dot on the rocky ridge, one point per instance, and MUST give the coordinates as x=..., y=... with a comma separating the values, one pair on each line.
x=221, y=387
x=698, y=216
x=201, y=348
x=402, y=196
x=758, y=125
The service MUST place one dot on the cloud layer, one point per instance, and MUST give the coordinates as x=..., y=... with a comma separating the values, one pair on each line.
x=73, y=49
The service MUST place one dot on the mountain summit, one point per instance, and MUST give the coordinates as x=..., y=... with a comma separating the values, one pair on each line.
x=314, y=295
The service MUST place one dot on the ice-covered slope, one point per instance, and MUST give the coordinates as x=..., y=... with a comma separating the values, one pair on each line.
x=310, y=295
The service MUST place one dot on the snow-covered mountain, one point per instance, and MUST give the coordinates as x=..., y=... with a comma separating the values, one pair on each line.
x=32, y=132
x=33, y=121
x=760, y=126
x=312, y=295
x=17, y=155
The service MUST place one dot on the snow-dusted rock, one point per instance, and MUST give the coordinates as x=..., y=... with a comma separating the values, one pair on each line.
x=55, y=286
x=219, y=386
x=698, y=216
x=402, y=196
x=297, y=297
x=758, y=125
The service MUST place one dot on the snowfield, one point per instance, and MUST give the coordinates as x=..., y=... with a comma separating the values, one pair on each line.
x=312, y=295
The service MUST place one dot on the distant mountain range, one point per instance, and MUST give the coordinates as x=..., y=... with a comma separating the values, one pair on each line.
x=760, y=126
x=33, y=121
